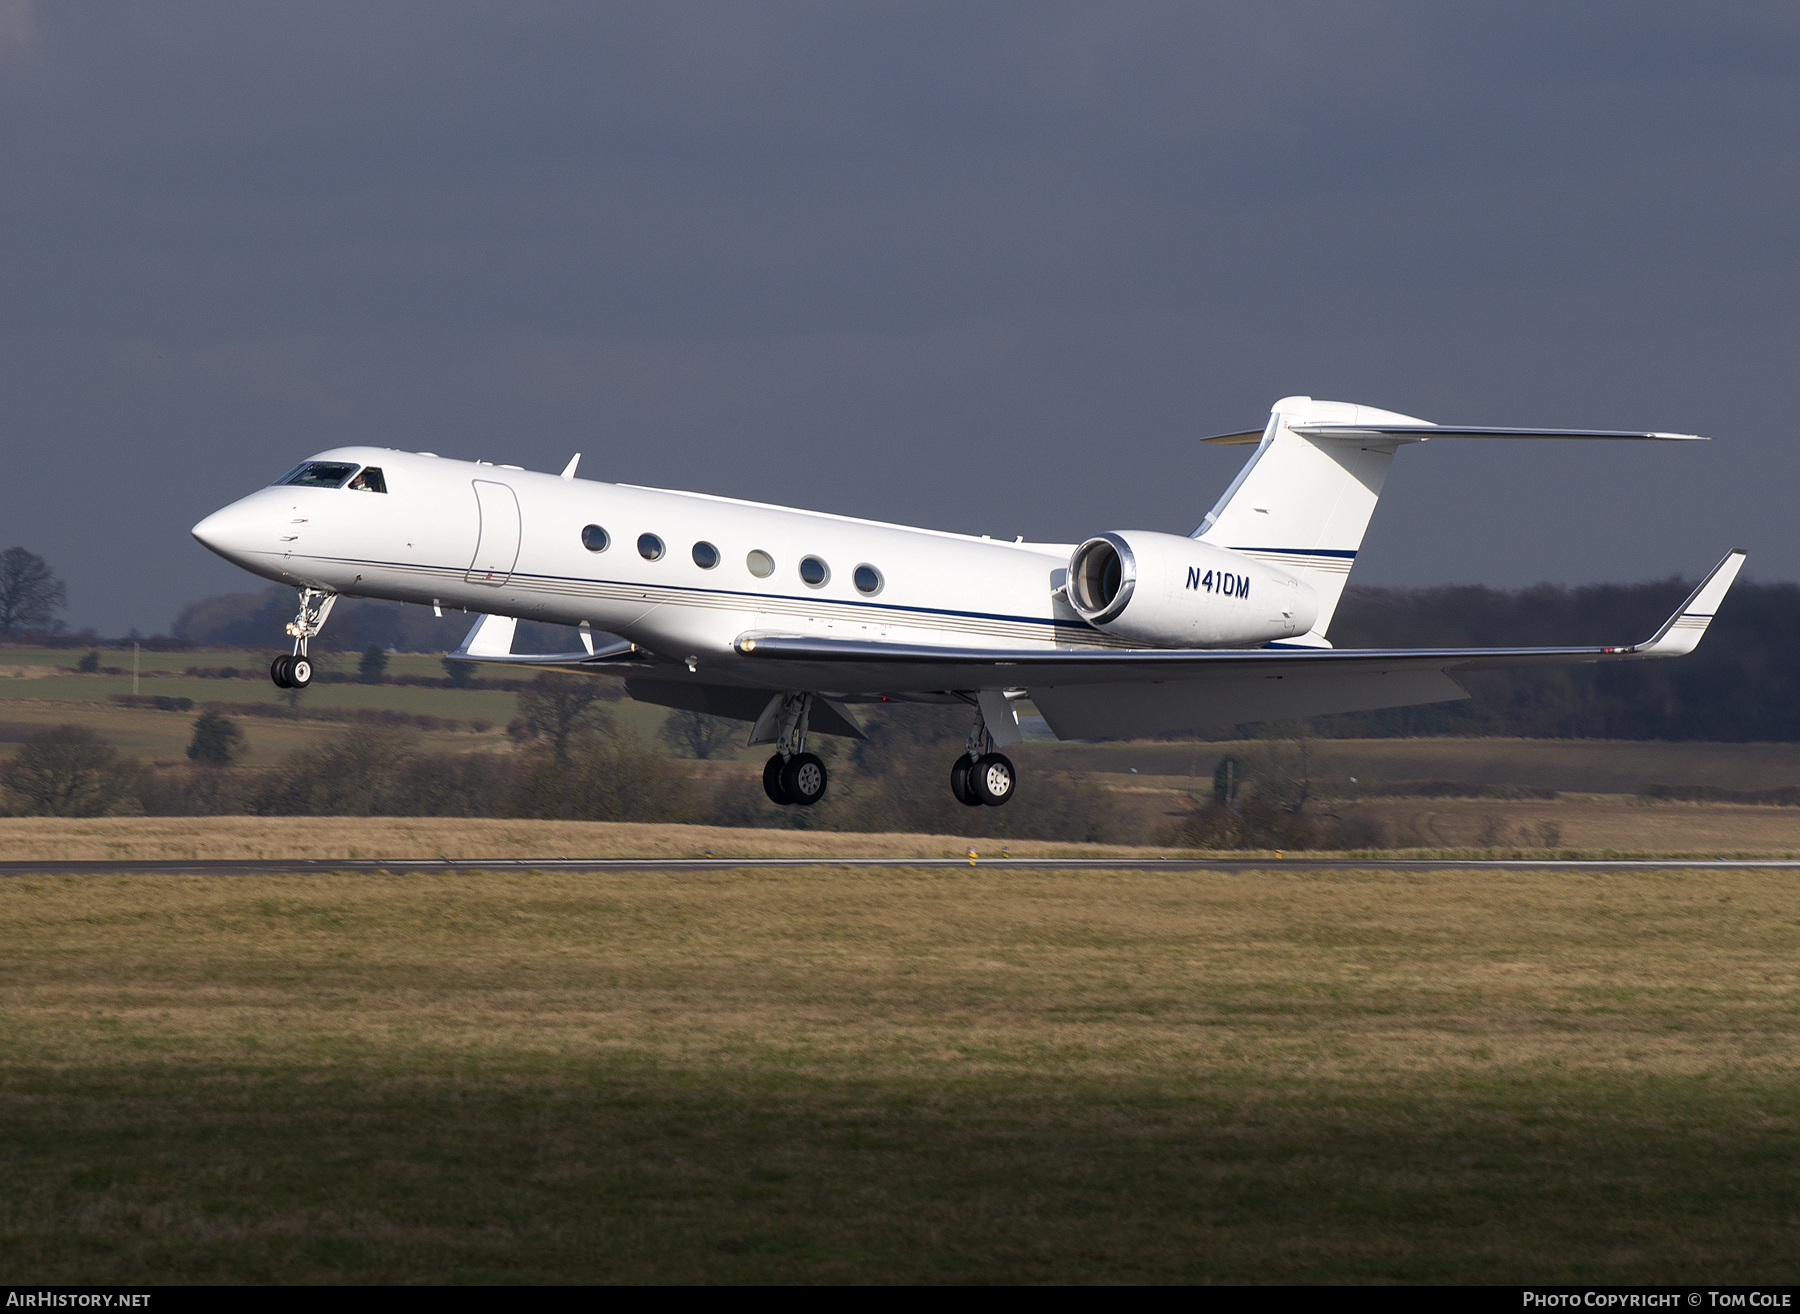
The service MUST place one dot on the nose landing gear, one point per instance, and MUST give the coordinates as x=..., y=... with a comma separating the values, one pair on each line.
x=295, y=670
x=793, y=775
x=291, y=671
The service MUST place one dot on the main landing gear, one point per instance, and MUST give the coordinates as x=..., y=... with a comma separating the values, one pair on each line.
x=295, y=670
x=793, y=775
x=981, y=775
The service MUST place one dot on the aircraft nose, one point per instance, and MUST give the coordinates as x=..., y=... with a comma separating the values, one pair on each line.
x=230, y=531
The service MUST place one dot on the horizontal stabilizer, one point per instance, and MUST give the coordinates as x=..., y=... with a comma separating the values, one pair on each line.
x=1303, y=500
x=1425, y=432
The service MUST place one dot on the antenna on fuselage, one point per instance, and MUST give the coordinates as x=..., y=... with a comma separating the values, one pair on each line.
x=569, y=469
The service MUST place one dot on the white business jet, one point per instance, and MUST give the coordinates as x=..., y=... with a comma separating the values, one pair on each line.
x=787, y=618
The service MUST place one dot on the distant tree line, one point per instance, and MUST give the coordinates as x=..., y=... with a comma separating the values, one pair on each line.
x=1742, y=684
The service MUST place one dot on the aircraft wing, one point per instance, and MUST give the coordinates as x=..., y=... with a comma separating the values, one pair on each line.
x=1120, y=692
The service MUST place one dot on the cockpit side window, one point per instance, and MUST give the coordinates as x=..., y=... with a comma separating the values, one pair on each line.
x=370, y=480
x=319, y=474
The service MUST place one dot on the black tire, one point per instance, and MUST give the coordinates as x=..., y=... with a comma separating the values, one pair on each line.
x=299, y=672
x=959, y=782
x=992, y=780
x=772, y=781
x=278, y=672
x=804, y=779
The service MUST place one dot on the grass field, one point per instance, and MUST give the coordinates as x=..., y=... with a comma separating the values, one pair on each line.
x=159, y=839
x=1450, y=825
x=901, y=1076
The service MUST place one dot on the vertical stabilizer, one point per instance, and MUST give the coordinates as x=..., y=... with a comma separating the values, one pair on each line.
x=1302, y=503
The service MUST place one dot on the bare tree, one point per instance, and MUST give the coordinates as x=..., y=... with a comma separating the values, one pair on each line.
x=557, y=706
x=701, y=735
x=29, y=593
x=68, y=771
x=1285, y=777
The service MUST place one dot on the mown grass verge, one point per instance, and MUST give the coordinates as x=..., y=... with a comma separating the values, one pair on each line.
x=911, y=1075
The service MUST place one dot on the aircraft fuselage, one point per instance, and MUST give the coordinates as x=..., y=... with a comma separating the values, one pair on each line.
x=506, y=541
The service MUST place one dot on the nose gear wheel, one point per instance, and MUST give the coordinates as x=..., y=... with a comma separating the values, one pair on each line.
x=290, y=671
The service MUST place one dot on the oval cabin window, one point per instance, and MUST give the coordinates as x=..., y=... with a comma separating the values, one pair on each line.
x=594, y=539
x=761, y=564
x=706, y=556
x=650, y=547
x=813, y=571
x=868, y=579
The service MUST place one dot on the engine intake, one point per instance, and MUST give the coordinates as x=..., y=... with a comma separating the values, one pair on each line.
x=1166, y=591
x=1102, y=578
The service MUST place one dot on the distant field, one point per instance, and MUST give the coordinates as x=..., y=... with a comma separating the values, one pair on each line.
x=254, y=664
x=1592, y=766
x=29, y=704
x=155, y=736
x=905, y=1076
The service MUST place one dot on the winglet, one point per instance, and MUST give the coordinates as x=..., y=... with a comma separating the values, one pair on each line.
x=569, y=469
x=1681, y=633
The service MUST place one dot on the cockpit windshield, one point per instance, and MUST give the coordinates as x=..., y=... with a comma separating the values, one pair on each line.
x=317, y=474
x=369, y=481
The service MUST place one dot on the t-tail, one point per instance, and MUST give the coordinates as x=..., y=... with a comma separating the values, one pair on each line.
x=1303, y=501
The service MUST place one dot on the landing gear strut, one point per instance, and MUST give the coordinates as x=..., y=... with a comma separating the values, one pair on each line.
x=794, y=775
x=980, y=775
x=295, y=670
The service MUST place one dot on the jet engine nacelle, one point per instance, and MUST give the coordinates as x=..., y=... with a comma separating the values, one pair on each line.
x=1166, y=591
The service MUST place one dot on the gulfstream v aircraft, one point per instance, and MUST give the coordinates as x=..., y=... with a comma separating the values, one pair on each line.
x=786, y=619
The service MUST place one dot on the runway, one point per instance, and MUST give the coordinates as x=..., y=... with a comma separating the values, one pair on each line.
x=410, y=866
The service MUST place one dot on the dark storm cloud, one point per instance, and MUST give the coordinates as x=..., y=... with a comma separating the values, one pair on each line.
x=989, y=268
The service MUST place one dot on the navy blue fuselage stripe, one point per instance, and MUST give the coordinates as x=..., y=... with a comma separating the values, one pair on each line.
x=809, y=600
x=1300, y=552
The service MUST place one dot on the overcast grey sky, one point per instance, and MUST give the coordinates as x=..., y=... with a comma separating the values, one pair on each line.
x=990, y=268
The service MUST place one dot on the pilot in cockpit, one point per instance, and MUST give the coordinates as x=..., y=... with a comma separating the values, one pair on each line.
x=369, y=481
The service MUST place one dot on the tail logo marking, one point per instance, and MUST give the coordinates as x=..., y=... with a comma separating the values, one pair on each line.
x=1219, y=581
